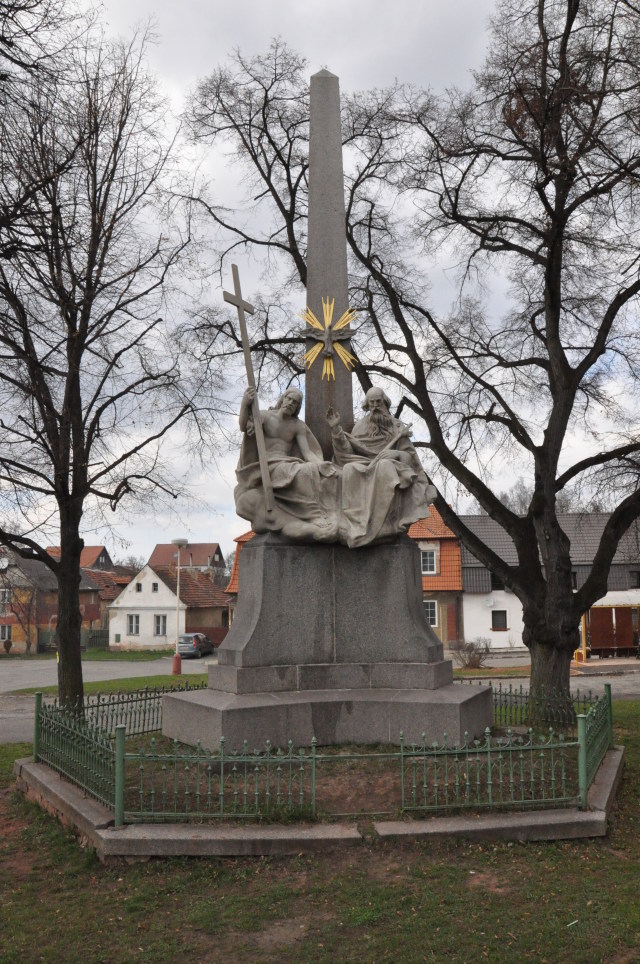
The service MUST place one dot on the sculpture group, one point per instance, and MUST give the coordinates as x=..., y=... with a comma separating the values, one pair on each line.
x=371, y=491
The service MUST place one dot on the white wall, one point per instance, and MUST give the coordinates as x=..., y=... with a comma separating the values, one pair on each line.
x=146, y=604
x=476, y=616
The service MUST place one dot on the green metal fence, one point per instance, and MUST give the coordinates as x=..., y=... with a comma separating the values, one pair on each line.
x=515, y=706
x=164, y=781
x=595, y=736
x=191, y=782
x=140, y=712
x=81, y=752
x=510, y=771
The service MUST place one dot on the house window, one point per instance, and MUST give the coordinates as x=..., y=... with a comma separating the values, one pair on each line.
x=138, y=587
x=154, y=587
x=499, y=619
x=634, y=579
x=6, y=596
x=574, y=579
x=159, y=625
x=225, y=619
x=428, y=561
x=133, y=624
x=496, y=582
x=5, y=633
x=431, y=611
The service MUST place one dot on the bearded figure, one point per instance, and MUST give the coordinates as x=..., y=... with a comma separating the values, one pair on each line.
x=384, y=487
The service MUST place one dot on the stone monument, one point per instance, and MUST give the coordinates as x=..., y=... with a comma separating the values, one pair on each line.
x=330, y=639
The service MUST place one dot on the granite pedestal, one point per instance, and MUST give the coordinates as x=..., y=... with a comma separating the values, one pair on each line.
x=328, y=642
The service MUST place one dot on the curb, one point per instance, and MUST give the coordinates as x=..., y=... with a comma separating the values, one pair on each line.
x=94, y=823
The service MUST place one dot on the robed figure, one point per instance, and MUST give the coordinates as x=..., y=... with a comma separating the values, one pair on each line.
x=306, y=489
x=384, y=487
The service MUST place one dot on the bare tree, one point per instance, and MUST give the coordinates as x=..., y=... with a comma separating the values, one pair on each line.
x=532, y=175
x=90, y=380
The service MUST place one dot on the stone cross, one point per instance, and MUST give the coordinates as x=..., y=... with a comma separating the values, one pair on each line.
x=327, y=281
x=242, y=306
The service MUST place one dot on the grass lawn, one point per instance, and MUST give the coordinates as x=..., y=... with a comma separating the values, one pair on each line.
x=453, y=901
x=126, y=685
x=95, y=655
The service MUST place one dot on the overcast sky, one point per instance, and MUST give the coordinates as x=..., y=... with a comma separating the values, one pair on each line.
x=367, y=43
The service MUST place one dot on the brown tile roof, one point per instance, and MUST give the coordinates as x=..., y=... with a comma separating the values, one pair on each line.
x=109, y=584
x=233, y=581
x=197, y=590
x=430, y=528
x=193, y=554
x=88, y=555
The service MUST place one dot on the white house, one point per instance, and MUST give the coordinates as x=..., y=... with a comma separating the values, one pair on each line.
x=144, y=614
x=491, y=612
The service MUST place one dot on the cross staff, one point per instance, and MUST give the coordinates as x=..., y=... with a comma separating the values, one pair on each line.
x=242, y=306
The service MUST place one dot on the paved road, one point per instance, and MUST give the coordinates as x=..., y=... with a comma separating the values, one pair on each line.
x=16, y=712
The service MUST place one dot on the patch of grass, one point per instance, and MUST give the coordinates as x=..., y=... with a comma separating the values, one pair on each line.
x=450, y=900
x=27, y=656
x=493, y=672
x=124, y=656
x=9, y=753
x=128, y=685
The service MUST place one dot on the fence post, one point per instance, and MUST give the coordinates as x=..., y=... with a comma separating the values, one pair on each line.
x=402, y=771
x=36, y=728
x=313, y=775
x=582, y=761
x=607, y=692
x=119, y=801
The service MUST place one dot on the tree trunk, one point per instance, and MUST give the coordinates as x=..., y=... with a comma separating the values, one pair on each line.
x=550, y=665
x=70, y=687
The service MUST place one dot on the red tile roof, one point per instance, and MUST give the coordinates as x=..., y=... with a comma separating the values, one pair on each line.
x=431, y=528
x=233, y=581
x=88, y=556
x=109, y=584
x=197, y=590
x=450, y=576
x=193, y=554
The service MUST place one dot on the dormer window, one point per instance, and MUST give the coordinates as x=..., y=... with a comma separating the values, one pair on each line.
x=428, y=557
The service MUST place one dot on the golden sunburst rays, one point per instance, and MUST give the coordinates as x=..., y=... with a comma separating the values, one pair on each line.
x=328, y=342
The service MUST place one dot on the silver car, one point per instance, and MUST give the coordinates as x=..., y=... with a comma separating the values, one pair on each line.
x=194, y=644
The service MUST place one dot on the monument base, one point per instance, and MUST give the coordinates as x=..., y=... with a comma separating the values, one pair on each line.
x=361, y=716
x=331, y=643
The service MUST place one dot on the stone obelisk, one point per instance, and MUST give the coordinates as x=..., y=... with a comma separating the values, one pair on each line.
x=327, y=255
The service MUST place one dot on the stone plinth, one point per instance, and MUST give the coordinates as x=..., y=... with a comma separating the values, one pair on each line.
x=331, y=643
x=327, y=604
x=332, y=716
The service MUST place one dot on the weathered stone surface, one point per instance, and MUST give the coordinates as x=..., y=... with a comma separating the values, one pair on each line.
x=331, y=716
x=326, y=676
x=327, y=252
x=328, y=604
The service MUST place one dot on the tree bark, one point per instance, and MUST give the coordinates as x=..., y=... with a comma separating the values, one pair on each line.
x=70, y=685
x=551, y=643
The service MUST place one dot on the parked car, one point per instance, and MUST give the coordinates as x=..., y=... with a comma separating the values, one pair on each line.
x=194, y=644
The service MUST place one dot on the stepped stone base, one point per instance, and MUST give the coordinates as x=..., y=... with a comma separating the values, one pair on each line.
x=330, y=676
x=331, y=643
x=334, y=716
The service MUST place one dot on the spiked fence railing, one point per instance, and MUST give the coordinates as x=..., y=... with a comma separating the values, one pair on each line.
x=191, y=782
x=174, y=782
x=510, y=771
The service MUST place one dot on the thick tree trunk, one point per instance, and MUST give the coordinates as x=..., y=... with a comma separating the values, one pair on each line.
x=550, y=667
x=70, y=686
